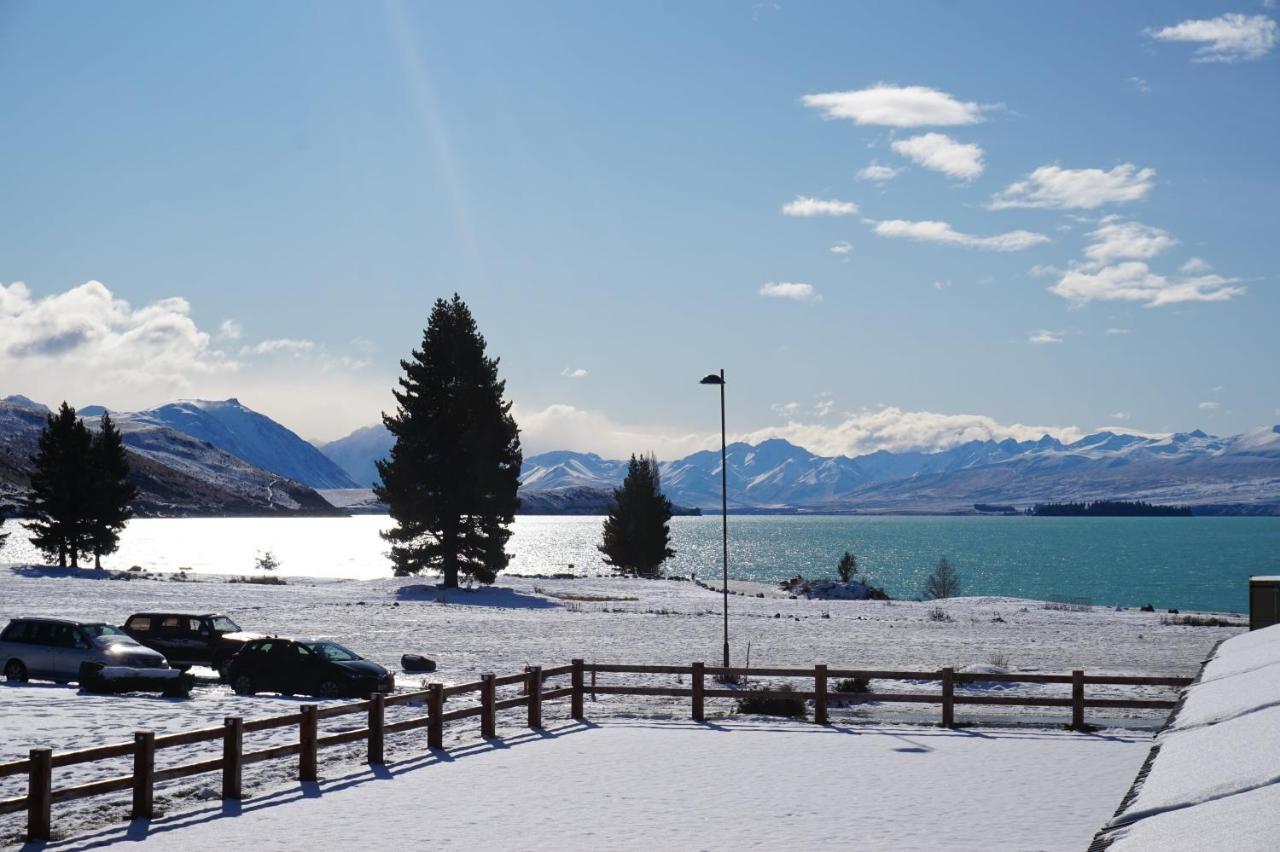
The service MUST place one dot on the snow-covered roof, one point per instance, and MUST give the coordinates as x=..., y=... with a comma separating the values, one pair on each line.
x=1213, y=782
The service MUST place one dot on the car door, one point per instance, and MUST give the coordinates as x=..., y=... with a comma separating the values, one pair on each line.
x=301, y=669
x=70, y=648
x=259, y=664
x=40, y=645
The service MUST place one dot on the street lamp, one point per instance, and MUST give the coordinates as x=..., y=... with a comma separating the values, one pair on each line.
x=714, y=379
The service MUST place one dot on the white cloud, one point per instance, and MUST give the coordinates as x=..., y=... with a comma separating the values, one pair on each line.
x=825, y=404
x=785, y=409
x=941, y=153
x=1056, y=187
x=1195, y=265
x=841, y=247
x=878, y=173
x=1232, y=37
x=1118, y=240
x=1044, y=336
x=573, y=373
x=229, y=330
x=1209, y=406
x=85, y=342
x=942, y=232
x=282, y=345
x=896, y=106
x=942, y=285
x=1114, y=331
x=796, y=291
x=1141, y=85
x=805, y=206
x=1133, y=281
x=1121, y=416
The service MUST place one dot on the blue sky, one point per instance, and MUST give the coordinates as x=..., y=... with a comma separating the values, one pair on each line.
x=1071, y=224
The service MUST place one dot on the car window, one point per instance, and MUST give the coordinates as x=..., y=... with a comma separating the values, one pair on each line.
x=334, y=652
x=40, y=633
x=222, y=624
x=140, y=623
x=63, y=636
x=171, y=622
x=17, y=631
x=263, y=648
x=101, y=630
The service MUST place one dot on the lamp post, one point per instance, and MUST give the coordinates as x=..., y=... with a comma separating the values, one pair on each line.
x=714, y=379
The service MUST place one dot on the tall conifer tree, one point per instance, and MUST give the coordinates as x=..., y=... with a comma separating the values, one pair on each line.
x=451, y=479
x=62, y=486
x=112, y=491
x=637, y=532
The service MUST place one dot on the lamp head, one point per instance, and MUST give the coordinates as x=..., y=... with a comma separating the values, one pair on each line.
x=711, y=379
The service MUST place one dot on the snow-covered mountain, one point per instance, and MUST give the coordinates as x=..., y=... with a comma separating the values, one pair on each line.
x=357, y=453
x=176, y=473
x=245, y=434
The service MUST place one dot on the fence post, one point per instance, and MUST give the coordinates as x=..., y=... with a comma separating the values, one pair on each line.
x=948, y=697
x=1077, y=699
x=377, y=717
x=39, y=794
x=698, y=680
x=820, y=694
x=575, y=701
x=307, y=739
x=488, y=695
x=232, y=756
x=535, y=696
x=144, y=774
x=435, y=705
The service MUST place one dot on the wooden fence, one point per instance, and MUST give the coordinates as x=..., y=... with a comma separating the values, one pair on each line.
x=41, y=762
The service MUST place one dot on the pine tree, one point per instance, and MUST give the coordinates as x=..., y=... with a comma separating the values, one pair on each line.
x=112, y=490
x=637, y=532
x=847, y=567
x=452, y=475
x=4, y=513
x=59, y=504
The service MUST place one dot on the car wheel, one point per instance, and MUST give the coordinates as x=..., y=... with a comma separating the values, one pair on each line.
x=244, y=685
x=15, y=671
x=329, y=689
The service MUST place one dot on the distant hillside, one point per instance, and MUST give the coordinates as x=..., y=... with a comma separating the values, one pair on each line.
x=176, y=474
x=246, y=434
x=357, y=453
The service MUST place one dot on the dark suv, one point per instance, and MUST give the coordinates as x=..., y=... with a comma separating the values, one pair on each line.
x=190, y=640
x=305, y=667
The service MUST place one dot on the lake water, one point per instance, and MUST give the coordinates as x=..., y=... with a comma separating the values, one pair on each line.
x=1190, y=563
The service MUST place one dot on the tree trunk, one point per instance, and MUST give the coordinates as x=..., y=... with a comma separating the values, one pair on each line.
x=449, y=541
x=62, y=556
x=97, y=561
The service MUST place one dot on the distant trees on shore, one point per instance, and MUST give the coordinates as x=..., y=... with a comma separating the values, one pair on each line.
x=451, y=478
x=637, y=531
x=80, y=489
x=1109, y=508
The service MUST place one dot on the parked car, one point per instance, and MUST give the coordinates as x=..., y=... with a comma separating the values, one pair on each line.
x=190, y=639
x=54, y=648
x=307, y=667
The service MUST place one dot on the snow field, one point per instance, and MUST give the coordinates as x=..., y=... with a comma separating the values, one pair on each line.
x=736, y=785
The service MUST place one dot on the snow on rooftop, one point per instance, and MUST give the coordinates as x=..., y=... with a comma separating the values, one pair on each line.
x=1215, y=780
x=642, y=784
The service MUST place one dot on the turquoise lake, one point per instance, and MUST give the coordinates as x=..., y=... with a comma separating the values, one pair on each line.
x=1187, y=563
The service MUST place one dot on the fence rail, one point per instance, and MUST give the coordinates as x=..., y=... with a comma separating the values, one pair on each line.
x=40, y=763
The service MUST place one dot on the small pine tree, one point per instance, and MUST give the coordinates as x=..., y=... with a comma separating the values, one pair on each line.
x=944, y=582
x=637, y=532
x=62, y=480
x=266, y=561
x=847, y=567
x=112, y=491
x=451, y=479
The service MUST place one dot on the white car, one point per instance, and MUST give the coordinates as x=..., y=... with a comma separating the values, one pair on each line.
x=54, y=648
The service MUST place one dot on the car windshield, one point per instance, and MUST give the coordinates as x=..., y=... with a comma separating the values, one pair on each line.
x=222, y=624
x=96, y=630
x=332, y=651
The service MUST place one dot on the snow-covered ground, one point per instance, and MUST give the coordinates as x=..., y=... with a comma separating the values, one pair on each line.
x=676, y=785
x=1215, y=781
x=547, y=622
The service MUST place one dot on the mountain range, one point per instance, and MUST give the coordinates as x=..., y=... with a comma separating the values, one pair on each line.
x=198, y=457
x=1239, y=474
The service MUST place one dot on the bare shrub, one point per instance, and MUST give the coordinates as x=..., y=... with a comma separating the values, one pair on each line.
x=944, y=582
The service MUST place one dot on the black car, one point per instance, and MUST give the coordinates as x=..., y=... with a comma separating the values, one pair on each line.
x=187, y=639
x=305, y=667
